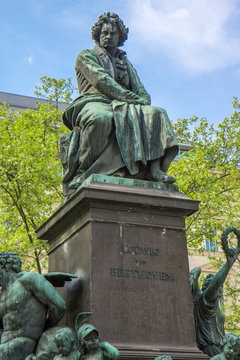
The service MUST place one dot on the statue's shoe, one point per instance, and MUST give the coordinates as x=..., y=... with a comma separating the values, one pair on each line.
x=120, y=173
x=76, y=182
x=160, y=176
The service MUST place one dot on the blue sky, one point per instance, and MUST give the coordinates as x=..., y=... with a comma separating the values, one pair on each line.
x=186, y=52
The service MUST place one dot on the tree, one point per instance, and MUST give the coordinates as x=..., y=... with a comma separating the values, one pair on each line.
x=30, y=170
x=210, y=173
x=54, y=90
x=30, y=178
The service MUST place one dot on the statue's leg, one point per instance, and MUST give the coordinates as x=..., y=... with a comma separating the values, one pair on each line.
x=17, y=349
x=162, y=145
x=156, y=174
x=96, y=123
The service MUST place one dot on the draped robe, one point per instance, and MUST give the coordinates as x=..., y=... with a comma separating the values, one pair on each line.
x=111, y=127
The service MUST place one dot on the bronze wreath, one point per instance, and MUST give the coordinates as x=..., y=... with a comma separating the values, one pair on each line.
x=224, y=241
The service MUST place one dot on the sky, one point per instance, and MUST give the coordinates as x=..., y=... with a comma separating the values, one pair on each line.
x=186, y=52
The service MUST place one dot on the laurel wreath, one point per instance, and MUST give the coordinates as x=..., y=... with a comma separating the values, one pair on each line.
x=81, y=319
x=224, y=239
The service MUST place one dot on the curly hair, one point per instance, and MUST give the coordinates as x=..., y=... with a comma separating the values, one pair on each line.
x=233, y=340
x=64, y=334
x=110, y=18
x=10, y=260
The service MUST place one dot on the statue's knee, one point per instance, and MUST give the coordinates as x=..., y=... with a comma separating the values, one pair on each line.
x=98, y=121
x=157, y=110
x=103, y=121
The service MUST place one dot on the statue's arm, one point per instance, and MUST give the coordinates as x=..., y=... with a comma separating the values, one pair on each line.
x=138, y=86
x=109, y=351
x=46, y=294
x=88, y=65
x=194, y=276
x=211, y=293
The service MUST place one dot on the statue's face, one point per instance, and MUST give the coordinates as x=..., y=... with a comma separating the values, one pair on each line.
x=65, y=347
x=92, y=341
x=109, y=37
x=4, y=278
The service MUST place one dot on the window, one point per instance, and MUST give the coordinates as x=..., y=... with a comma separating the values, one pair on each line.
x=210, y=244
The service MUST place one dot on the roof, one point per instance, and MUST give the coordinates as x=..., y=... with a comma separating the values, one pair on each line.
x=22, y=102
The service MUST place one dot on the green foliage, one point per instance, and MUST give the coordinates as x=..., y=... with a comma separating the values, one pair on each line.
x=210, y=173
x=55, y=91
x=30, y=178
x=232, y=301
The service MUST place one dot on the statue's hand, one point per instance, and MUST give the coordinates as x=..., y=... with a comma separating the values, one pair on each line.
x=231, y=253
x=142, y=101
x=195, y=273
x=31, y=357
x=110, y=352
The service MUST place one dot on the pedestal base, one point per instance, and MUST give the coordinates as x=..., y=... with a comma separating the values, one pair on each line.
x=127, y=245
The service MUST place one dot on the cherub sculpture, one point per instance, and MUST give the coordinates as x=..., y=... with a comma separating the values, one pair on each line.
x=65, y=340
x=89, y=340
x=25, y=299
x=231, y=348
x=209, y=320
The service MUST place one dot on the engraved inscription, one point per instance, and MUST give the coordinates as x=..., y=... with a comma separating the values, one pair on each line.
x=141, y=274
x=138, y=250
x=140, y=262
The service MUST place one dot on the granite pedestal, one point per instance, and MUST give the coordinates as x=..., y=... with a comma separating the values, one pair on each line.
x=127, y=245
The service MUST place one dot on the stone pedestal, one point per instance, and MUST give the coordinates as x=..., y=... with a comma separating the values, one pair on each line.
x=128, y=247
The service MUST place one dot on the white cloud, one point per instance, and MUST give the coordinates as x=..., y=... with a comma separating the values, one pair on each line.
x=197, y=33
x=30, y=60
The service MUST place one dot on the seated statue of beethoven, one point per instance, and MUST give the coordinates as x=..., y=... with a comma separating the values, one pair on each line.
x=115, y=131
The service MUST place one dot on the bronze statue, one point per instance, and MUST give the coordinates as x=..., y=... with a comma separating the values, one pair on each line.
x=28, y=305
x=231, y=348
x=89, y=341
x=65, y=340
x=59, y=342
x=115, y=131
x=209, y=320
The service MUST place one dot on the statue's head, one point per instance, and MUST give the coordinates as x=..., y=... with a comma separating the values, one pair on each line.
x=116, y=23
x=10, y=261
x=231, y=343
x=88, y=337
x=206, y=283
x=64, y=340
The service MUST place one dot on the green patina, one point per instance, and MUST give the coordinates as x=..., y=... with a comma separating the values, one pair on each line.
x=209, y=319
x=114, y=129
x=25, y=300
